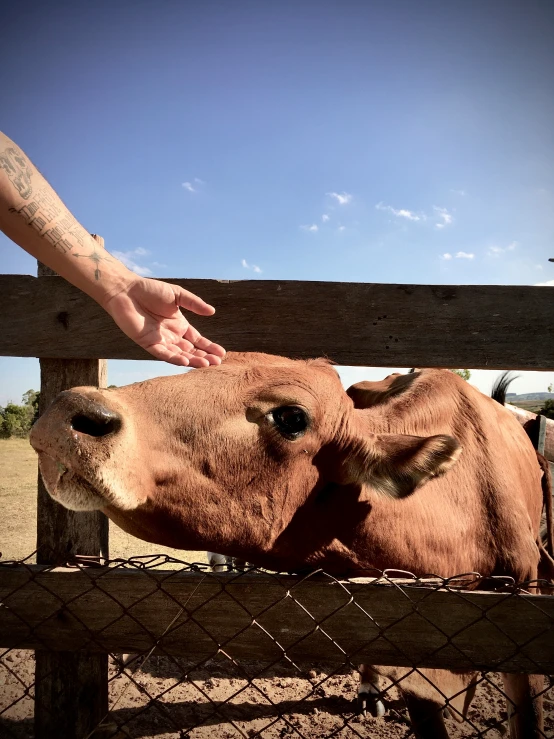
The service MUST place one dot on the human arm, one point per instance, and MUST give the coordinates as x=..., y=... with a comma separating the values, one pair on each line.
x=148, y=311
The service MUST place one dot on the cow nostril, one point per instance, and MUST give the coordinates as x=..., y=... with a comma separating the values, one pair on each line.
x=97, y=422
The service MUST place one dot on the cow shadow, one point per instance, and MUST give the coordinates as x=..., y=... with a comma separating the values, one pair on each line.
x=158, y=717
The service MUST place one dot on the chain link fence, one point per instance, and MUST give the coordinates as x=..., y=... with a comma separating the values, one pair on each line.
x=193, y=653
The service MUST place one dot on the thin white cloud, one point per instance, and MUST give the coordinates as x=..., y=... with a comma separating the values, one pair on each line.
x=462, y=193
x=253, y=267
x=459, y=255
x=341, y=228
x=444, y=215
x=313, y=227
x=325, y=218
x=342, y=198
x=497, y=251
x=548, y=283
x=190, y=187
x=128, y=259
x=400, y=212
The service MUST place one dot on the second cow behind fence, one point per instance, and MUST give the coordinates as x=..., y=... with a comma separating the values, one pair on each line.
x=269, y=460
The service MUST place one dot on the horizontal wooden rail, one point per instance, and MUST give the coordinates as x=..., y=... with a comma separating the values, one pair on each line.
x=256, y=616
x=492, y=327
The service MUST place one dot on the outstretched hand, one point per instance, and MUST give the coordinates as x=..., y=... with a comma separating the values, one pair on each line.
x=148, y=312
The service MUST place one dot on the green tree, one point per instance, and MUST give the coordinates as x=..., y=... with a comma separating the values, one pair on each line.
x=465, y=374
x=31, y=399
x=547, y=409
x=550, y=388
x=16, y=420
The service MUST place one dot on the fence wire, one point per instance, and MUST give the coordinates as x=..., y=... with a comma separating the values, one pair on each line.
x=243, y=671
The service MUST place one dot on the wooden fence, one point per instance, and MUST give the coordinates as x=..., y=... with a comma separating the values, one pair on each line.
x=485, y=327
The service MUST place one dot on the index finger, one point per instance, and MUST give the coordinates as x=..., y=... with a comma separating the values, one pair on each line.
x=190, y=301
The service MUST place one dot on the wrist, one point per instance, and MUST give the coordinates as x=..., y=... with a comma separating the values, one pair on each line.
x=110, y=278
x=118, y=282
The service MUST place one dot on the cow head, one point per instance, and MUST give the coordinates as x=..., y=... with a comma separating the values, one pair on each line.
x=224, y=458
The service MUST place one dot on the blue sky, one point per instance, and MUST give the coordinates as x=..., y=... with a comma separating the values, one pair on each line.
x=393, y=141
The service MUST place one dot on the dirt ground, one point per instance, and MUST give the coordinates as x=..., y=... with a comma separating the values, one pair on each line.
x=168, y=698
x=172, y=699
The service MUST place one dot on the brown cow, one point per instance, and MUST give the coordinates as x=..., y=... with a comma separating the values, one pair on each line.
x=268, y=459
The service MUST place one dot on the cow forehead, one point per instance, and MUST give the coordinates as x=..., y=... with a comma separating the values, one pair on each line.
x=241, y=380
x=245, y=381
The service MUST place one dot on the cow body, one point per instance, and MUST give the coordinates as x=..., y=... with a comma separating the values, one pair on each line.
x=269, y=460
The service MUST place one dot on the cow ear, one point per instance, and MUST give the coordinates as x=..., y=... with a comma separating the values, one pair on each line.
x=396, y=465
x=366, y=394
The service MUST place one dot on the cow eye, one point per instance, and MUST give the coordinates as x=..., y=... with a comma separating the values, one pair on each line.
x=291, y=421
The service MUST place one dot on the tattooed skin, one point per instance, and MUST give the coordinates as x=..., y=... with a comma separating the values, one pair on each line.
x=41, y=211
x=39, y=214
x=45, y=213
x=96, y=258
x=15, y=165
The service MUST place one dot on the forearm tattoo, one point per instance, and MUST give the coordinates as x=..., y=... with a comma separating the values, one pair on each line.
x=95, y=257
x=16, y=167
x=44, y=212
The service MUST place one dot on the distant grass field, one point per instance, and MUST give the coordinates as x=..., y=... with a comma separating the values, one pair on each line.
x=18, y=494
x=528, y=405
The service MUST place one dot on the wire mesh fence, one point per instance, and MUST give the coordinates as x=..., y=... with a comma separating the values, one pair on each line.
x=195, y=653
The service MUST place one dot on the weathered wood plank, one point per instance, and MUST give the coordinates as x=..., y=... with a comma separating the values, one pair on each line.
x=494, y=327
x=71, y=694
x=61, y=533
x=524, y=417
x=108, y=610
x=541, y=446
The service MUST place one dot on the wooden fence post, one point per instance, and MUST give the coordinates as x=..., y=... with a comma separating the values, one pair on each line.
x=71, y=691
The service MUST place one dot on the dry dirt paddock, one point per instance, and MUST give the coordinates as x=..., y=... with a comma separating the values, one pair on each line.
x=172, y=699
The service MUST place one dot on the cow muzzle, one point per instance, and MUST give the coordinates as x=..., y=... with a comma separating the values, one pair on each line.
x=76, y=440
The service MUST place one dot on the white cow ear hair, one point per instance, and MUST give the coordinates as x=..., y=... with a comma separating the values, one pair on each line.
x=396, y=465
